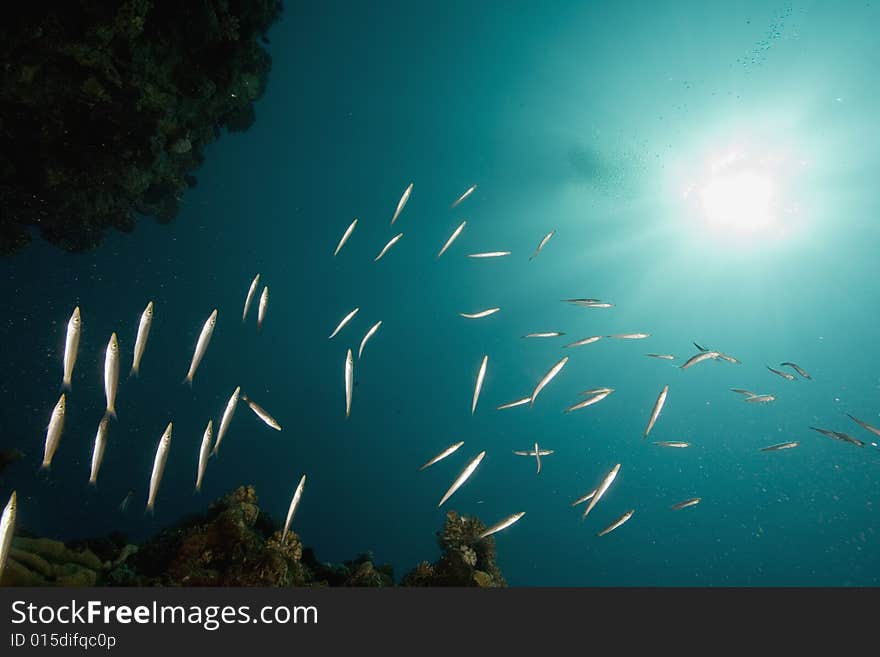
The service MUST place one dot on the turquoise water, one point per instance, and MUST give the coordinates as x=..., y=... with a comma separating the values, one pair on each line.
x=597, y=120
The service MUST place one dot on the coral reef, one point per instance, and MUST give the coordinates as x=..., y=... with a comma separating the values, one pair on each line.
x=234, y=543
x=107, y=106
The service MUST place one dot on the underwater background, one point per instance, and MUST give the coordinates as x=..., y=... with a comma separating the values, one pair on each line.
x=591, y=119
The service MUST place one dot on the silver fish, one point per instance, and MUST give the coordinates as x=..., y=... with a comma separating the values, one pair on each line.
x=53, y=432
x=345, y=236
x=503, y=524
x=590, y=340
x=600, y=491
x=838, y=435
x=797, y=369
x=513, y=404
x=463, y=477
x=394, y=240
x=402, y=202
x=617, y=523
x=760, y=399
x=537, y=453
x=595, y=396
x=250, y=296
x=71, y=346
x=261, y=413
x=585, y=498
x=294, y=502
x=686, y=503
x=489, y=254
x=718, y=354
x=780, y=446
x=140, y=342
x=111, y=374
x=480, y=314
x=547, y=378
x=7, y=529
x=204, y=453
x=98, y=451
x=123, y=505
x=545, y=334
x=369, y=334
x=590, y=303
x=478, y=386
x=442, y=455
x=699, y=358
x=743, y=391
x=345, y=320
x=349, y=382
x=864, y=425
x=661, y=356
x=201, y=346
x=261, y=311
x=452, y=238
x=159, y=467
x=784, y=375
x=470, y=190
x=629, y=336
x=543, y=243
x=227, y=417
x=672, y=443
x=658, y=406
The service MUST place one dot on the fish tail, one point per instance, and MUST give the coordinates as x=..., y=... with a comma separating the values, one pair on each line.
x=65, y=386
x=111, y=413
x=188, y=380
x=150, y=510
x=135, y=372
x=45, y=467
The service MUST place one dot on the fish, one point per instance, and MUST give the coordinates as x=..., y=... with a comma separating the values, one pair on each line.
x=661, y=356
x=140, y=342
x=261, y=413
x=672, y=443
x=658, y=406
x=349, y=382
x=513, y=404
x=503, y=524
x=53, y=432
x=864, y=425
x=402, y=202
x=784, y=375
x=345, y=236
x=478, y=386
x=452, y=238
x=760, y=399
x=543, y=243
x=111, y=374
x=369, y=334
x=580, y=343
x=345, y=320
x=699, y=358
x=123, y=505
x=719, y=354
x=537, y=453
x=294, y=502
x=780, y=446
x=838, y=435
x=250, y=296
x=204, y=453
x=629, y=336
x=394, y=240
x=585, y=498
x=489, y=254
x=797, y=369
x=545, y=334
x=685, y=504
x=7, y=529
x=71, y=346
x=699, y=347
x=595, y=396
x=159, y=467
x=470, y=190
x=463, y=477
x=590, y=303
x=261, y=311
x=442, y=455
x=547, y=378
x=201, y=346
x=743, y=391
x=617, y=523
x=98, y=451
x=600, y=491
x=480, y=314
x=227, y=418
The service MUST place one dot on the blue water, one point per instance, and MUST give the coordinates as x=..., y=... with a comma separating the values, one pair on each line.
x=586, y=118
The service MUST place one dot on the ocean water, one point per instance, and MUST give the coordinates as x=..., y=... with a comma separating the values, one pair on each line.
x=611, y=123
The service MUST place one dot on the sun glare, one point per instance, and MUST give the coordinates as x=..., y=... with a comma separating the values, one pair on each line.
x=739, y=201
